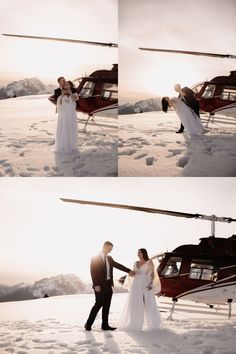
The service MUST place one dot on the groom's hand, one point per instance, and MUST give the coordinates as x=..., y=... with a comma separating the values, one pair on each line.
x=132, y=273
x=97, y=288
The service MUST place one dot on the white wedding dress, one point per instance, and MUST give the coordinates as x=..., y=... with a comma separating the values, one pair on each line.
x=141, y=307
x=188, y=117
x=67, y=126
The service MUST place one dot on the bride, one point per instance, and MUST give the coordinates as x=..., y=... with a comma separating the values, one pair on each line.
x=67, y=127
x=141, y=303
x=187, y=116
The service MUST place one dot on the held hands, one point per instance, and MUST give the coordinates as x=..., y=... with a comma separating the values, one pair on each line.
x=97, y=288
x=132, y=273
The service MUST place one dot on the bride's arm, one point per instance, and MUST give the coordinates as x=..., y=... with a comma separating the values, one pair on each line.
x=74, y=97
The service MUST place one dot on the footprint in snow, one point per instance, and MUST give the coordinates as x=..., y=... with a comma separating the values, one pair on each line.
x=183, y=161
x=140, y=156
x=149, y=160
x=128, y=152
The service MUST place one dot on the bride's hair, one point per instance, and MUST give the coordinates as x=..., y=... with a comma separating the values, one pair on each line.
x=144, y=253
x=165, y=104
x=71, y=84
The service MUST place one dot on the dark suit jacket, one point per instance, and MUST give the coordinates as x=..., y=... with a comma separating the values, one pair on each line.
x=190, y=100
x=98, y=270
x=57, y=93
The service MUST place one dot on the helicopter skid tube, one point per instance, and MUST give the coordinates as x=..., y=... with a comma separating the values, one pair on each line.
x=109, y=111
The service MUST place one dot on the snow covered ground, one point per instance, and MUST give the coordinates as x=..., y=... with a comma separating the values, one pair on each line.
x=27, y=131
x=149, y=146
x=55, y=326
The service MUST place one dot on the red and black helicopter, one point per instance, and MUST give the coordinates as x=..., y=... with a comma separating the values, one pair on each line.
x=217, y=96
x=98, y=92
x=204, y=273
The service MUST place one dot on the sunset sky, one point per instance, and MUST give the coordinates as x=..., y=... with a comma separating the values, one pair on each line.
x=92, y=20
x=203, y=25
x=42, y=236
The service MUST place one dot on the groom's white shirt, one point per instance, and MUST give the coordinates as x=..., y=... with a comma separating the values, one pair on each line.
x=107, y=265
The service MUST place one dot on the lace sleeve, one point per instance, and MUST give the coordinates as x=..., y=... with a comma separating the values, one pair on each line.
x=59, y=102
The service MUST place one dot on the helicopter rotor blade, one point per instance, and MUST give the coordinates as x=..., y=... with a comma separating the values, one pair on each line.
x=150, y=210
x=214, y=55
x=68, y=40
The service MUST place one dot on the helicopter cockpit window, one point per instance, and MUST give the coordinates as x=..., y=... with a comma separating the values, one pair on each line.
x=109, y=91
x=203, y=270
x=197, y=88
x=87, y=90
x=228, y=93
x=209, y=91
x=172, y=268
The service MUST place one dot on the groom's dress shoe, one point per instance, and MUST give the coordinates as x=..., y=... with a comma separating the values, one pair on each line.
x=87, y=328
x=108, y=328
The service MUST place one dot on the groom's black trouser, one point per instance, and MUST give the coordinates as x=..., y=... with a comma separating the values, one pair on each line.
x=181, y=127
x=102, y=299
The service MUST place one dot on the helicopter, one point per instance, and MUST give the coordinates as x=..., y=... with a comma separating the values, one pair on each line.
x=216, y=96
x=98, y=92
x=203, y=273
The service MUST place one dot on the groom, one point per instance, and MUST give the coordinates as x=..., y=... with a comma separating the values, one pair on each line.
x=61, y=82
x=188, y=97
x=102, y=277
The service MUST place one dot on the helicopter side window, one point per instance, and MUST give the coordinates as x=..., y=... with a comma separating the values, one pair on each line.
x=172, y=268
x=209, y=91
x=87, y=90
x=228, y=93
x=109, y=91
x=203, y=270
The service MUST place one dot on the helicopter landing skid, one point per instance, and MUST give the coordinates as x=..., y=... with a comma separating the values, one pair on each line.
x=211, y=119
x=230, y=308
x=170, y=317
x=90, y=118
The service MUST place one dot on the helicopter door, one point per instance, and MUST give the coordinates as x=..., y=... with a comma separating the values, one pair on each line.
x=209, y=91
x=197, y=87
x=203, y=270
x=172, y=268
x=87, y=89
x=109, y=91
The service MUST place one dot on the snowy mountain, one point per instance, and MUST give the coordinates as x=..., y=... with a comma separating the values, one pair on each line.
x=6, y=290
x=31, y=86
x=148, y=105
x=59, y=285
